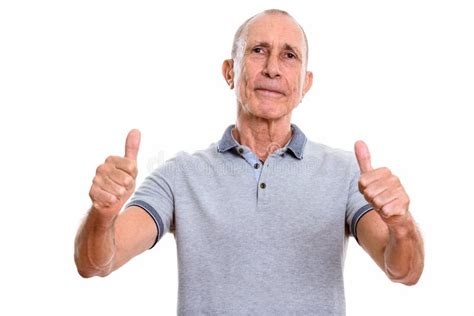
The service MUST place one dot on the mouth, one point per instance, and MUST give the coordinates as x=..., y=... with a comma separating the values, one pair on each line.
x=269, y=92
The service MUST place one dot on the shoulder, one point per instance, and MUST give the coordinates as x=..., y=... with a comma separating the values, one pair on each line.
x=328, y=155
x=184, y=162
x=203, y=156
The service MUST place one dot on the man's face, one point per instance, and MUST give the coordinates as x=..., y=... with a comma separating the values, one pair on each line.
x=270, y=76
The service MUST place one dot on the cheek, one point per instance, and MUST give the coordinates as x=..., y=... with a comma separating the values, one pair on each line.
x=244, y=84
x=293, y=76
x=298, y=86
x=295, y=88
x=241, y=86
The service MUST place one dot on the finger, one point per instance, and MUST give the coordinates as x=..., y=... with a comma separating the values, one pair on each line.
x=132, y=144
x=126, y=165
x=394, y=208
x=379, y=174
x=101, y=198
x=372, y=191
x=377, y=180
x=109, y=186
x=363, y=156
x=121, y=178
x=386, y=197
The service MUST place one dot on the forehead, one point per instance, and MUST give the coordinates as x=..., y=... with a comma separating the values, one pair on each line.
x=276, y=29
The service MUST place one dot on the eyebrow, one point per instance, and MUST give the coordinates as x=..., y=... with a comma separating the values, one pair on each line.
x=286, y=46
x=293, y=48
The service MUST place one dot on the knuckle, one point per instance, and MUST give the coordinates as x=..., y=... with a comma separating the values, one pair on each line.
x=396, y=179
x=117, y=189
x=122, y=191
x=99, y=169
x=378, y=201
x=392, y=183
x=109, y=199
x=368, y=196
x=370, y=191
x=131, y=168
x=110, y=159
x=386, y=210
x=96, y=181
x=92, y=193
x=129, y=181
x=102, y=169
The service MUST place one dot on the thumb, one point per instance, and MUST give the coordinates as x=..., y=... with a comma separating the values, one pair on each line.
x=132, y=144
x=363, y=156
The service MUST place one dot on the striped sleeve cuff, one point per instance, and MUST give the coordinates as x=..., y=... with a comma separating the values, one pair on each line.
x=357, y=216
x=154, y=215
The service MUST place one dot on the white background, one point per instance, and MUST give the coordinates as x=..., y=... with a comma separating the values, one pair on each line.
x=76, y=76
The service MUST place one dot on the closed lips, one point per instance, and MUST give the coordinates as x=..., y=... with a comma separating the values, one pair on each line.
x=267, y=89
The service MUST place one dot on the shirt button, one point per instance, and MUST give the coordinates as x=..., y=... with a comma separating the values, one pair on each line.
x=241, y=150
x=263, y=185
x=256, y=165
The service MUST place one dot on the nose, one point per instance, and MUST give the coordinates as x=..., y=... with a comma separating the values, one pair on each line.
x=272, y=69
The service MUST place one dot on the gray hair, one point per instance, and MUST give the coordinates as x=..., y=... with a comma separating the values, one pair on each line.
x=239, y=42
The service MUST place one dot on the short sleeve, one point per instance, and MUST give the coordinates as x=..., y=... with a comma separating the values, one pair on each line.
x=155, y=196
x=357, y=206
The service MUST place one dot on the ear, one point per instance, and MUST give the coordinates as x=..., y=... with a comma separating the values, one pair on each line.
x=228, y=72
x=308, y=82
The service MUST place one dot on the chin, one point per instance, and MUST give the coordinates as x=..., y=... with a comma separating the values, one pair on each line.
x=270, y=111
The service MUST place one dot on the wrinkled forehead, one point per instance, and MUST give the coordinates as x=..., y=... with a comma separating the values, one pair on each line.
x=275, y=29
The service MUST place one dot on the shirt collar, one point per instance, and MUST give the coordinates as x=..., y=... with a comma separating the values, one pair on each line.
x=295, y=145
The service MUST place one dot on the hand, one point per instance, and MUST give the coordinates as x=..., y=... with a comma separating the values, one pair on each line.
x=382, y=189
x=114, y=181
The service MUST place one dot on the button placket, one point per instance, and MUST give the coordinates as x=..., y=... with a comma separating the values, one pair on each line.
x=263, y=185
x=251, y=159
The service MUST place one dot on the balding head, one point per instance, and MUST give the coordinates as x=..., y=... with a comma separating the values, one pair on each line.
x=239, y=43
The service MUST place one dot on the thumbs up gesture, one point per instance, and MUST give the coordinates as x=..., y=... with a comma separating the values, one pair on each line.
x=114, y=181
x=381, y=188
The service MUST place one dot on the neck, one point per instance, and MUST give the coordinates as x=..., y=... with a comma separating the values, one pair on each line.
x=262, y=136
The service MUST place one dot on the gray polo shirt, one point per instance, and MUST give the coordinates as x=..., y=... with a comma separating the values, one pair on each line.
x=257, y=238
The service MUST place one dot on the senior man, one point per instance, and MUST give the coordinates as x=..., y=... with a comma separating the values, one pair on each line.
x=262, y=217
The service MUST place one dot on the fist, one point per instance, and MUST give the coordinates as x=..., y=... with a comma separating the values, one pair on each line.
x=381, y=188
x=114, y=181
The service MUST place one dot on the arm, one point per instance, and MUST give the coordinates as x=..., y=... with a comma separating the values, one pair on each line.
x=106, y=239
x=398, y=251
x=102, y=247
x=389, y=233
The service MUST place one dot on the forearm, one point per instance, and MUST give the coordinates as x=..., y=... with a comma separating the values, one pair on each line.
x=404, y=254
x=95, y=246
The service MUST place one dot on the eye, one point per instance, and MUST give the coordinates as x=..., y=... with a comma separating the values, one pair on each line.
x=257, y=50
x=290, y=55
